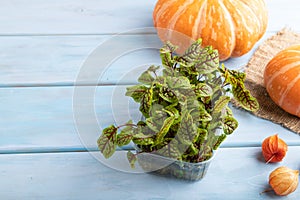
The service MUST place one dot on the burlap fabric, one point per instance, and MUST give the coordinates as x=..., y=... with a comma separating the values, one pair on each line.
x=254, y=79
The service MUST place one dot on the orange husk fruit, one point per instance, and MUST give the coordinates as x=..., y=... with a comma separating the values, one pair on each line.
x=274, y=149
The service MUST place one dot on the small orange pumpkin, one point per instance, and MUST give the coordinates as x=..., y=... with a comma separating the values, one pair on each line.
x=231, y=26
x=282, y=79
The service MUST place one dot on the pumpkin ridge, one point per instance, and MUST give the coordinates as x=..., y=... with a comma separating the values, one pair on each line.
x=245, y=32
x=161, y=10
x=177, y=15
x=288, y=89
x=197, y=21
x=231, y=27
x=253, y=12
x=281, y=71
x=298, y=111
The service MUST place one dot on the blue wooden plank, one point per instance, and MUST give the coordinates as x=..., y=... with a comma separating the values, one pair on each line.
x=57, y=60
x=102, y=17
x=235, y=173
x=41, y=119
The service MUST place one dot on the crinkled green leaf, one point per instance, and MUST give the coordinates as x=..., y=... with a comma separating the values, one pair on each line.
x=153, y=68
x=131, y=158
x=144, y=129
x=136, y=92
x=221, y=103
x=191, y=55
x=146, y=102
x=107, y=142
x=203, y=90
x=229, y=125
x=202, y=135
x=157, y=117
x=146, y=78
x=187, y=130
x=168, y=94
x=208, y=60
x=169, y=72
x=142, y=139
x=170, y=150
x=126, y=135
x=166, y=54
x=220, y=139
x=172, y=111
x=179, y=82
x=243, y=96
x=204, y=115
x=153, y=124
x=192, y=150
x=164, y=129
x=229, y=112
x=233, y=77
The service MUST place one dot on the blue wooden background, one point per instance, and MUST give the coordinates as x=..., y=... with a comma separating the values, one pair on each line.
x=46, y=153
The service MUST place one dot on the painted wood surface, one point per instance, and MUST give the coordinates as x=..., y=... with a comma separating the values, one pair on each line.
x=38, y=119
x=234, y=173
x=101, y=17
x=57, y=60
x=46, y=132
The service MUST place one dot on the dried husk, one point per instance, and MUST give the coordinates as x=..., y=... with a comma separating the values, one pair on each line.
x=284, y=180
x=274, y=149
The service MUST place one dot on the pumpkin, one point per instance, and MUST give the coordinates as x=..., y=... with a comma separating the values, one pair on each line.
x=230, y=26
x=282, y=79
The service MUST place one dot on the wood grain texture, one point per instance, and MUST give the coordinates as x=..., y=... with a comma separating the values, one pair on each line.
x=57, y=60
x=237, y=173
x=40, y=119
x=101, y=17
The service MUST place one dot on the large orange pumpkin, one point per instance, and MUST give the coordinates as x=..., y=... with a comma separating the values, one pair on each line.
x=282, y=79
x=231, y=26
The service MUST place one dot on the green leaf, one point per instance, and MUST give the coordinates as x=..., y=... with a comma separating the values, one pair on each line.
x=204, y=116
x=168, y=95
x=170, y=150
x=243, y=96
x=220, y=139
x=229, y=125
x=107, y=142
x=136, y=92
x=153, y=124
x=131, y=158
x=166, y=54
x=229, y=112
x=157, y=117
x=146, y=102
x=153, y=68
x=187, y=130
x=179, y=82
x=125, y=136
x=203, y=90
x=146, y=78
x=171, y=110
x=232, y=76
x=142, y=139
x=208, y=61
x=169, y=72
x=221, y=103
x=164, y=129
x=191, y=55
x=202, y=135
x=193, y=150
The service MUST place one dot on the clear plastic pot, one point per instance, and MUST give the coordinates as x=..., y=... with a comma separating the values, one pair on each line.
x=153, y=163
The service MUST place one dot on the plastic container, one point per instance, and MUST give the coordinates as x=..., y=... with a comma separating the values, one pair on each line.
x=157, y=164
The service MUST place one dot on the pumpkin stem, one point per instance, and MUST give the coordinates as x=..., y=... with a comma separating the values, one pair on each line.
x=270, y=159
x=267, y=190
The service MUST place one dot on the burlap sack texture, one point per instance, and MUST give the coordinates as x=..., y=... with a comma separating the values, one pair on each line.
x=254, y=79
